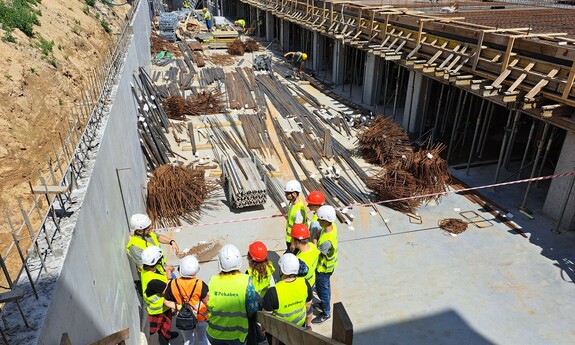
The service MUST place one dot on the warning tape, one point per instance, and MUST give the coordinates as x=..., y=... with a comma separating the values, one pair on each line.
x=241, y=220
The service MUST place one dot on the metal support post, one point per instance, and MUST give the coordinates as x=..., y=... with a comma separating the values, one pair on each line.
x=529, y=138
x=511, y=140
x=477, y=125
x=564, y=206
x=540, y=145
x=547, y=149
x=458, y=112
x=489, y=113
x=503, y=147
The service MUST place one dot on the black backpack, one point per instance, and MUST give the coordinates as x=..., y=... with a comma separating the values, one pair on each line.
x=186, y=318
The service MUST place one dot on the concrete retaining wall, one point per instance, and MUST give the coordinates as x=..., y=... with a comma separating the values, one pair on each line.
x=95, y=295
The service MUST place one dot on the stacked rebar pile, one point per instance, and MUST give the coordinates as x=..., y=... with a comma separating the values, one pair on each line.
x=236, y=47
x=222, y=59
x=168, y=22
x=178, y=192
x=238, y=90
x=208, y=75
x=251, y=45
x=245, y=186
x=205, y=102
x=405, y=174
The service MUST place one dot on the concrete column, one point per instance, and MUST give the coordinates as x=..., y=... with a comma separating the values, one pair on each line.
x=558, y=189
x=337, y=69
x=270, y=34
x=317, y=53
x=284, y=35
x=414, y=101
x=370, y=79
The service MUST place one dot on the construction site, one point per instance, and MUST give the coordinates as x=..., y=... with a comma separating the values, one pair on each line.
x=442, y=132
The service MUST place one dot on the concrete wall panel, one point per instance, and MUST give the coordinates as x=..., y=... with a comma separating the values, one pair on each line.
x=95, y=295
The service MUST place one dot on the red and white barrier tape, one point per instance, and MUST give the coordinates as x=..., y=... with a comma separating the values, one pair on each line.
x=241, y=220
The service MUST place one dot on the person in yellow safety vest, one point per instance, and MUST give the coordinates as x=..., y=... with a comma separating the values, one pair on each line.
x=314, y=200
x=290, y=298
x=153, y=285
x=260, y=268
x=241, y=23
x=232, y=300
x=143, y=236
x=297, y=60
x=306, y=251
x=194, y=291
x=208, y=19
x=186, y=4
x=327, y=245
x=296, y=210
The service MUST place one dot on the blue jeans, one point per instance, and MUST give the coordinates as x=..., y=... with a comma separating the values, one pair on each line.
x=224, y=342
x=199, y=332
x=323, y=288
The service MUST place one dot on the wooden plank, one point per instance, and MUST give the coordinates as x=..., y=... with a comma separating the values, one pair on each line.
x=569, y=84
x=114, y=339
x=507, y=55
x=535, y=90
x=289, y=333
x=478, y=50
x=520, y=79
x=50, y=189
x=504, y=74
x=342, y=327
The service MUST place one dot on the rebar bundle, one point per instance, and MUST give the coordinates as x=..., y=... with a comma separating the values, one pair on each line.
x=222, y=59
x=236, y=47
x=205, y=102
x=383, y=142
x=178, y=193
x=452, y=225
x=245, y=186
x=211, y=74
x=251, y=46
x=396, y=184
x=238, y=91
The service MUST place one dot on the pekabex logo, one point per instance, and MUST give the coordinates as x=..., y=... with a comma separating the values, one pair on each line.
x=292, y=304
x=225, y=294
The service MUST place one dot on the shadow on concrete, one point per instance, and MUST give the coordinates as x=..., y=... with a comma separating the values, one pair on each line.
x=444, y=328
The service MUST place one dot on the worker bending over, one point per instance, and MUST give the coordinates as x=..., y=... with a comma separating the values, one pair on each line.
x=291, y=297
x=327, y=245
x=296, y=208
x=154, y=283
x=297, y=60
x=143, y=236
x=240, y=23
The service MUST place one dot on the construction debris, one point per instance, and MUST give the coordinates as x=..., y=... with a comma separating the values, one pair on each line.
x=236, y=47
x=452, y=225
x=178, y=193
x=159, y=44
x=221, y=59
x=263, y=62
x=205, y=102
x=244, y=183
x=251, y=45
x=405, y=174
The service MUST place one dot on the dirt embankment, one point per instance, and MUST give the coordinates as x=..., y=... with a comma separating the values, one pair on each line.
x=42, y=77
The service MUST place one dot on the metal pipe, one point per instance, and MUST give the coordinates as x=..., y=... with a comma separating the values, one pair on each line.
x=408, y=113
x=385, y=86
x=514, y=130
x=425, y=104
x=437, y=114
x=458, y=111
x=549, y=142
x=122, y=195
x=529, y=138
x=475, y=136
x=450, y=97
x=564, y=206
x=540, y=145
x=397, y=82
x=503, y=147
x=490, y=113
x=471, y=104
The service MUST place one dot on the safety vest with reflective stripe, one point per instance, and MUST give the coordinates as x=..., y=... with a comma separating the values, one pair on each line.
x=186, y=286
x=292, y=301
x=310, y=258
x=207, y=16
x=141, y=243
x=297, y=56
x=292, y=211
x=327, y=263
x=262, y=285
x=228, y=318
x=154, y=303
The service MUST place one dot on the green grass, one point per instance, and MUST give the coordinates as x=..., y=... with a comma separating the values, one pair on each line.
x=91, y=3
x=106, y=26
x=45, y=46
x=19, y=14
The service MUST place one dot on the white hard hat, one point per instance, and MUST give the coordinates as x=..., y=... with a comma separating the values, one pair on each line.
x=229, y=258
x=139, y=221
x=292, y=186
x=151, y=255
x=289, y=264
x=326, y=213
x=189, y=266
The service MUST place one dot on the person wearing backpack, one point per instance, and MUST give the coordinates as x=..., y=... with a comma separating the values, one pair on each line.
x=189, y=296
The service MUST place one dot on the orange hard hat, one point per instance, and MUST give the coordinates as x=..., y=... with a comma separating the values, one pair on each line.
x=315, y=197
x=300, y=232
x=258, y=251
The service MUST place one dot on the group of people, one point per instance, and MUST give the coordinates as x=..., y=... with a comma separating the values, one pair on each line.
x=225, y=307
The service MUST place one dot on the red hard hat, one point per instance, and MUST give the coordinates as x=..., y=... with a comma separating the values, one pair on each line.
x=258, y=251
x=315, y=197
x=300, y=232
